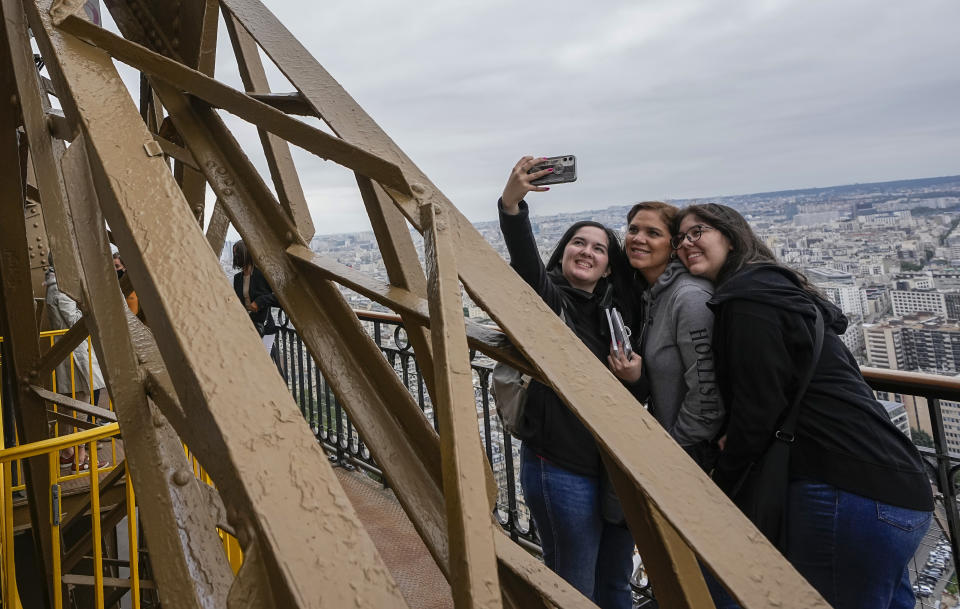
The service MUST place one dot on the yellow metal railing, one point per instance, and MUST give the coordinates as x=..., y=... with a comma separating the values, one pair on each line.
x=11, y=468
x=51, y=450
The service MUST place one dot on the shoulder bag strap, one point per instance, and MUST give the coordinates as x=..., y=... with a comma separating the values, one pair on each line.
x=787, y=430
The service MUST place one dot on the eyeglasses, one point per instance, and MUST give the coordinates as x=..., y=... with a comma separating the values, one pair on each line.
x=692, y=235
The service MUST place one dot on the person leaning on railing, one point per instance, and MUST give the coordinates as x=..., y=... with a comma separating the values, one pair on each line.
x=561, y=472
x=857, y=501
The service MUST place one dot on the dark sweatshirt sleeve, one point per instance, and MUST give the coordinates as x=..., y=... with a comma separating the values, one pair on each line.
x=759, y=368
x=524, y=255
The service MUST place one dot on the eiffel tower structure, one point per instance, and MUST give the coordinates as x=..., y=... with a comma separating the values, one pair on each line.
x=85, y=164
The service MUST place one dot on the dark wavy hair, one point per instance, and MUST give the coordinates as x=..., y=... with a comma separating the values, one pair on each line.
x=747, y=246
x=620, y=270
x=614, y=247
x=241, y=256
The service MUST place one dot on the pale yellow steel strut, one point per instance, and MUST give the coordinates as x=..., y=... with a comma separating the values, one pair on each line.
x=469, y=523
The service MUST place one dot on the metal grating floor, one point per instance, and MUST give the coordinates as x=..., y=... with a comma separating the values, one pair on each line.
x=417, y=575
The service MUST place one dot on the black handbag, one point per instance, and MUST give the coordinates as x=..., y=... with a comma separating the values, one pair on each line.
x=761, y=492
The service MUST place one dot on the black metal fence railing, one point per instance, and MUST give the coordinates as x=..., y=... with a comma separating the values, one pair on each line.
x=933, y=392
x=332, y=426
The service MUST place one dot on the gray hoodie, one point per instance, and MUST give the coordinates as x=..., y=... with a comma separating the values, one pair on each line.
x=678, y=355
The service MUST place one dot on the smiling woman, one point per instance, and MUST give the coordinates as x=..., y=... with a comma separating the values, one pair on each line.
x=674, y=336
x=853, y=502
x=561, y=471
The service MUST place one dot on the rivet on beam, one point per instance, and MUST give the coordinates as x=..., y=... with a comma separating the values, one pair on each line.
x=152, y=148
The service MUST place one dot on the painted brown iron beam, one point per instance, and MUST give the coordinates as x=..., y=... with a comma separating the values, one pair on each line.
x=62, y=348
x=45, y=151
x=239, y=104
x=414, y=310
x=634, y=441
x=68, y=402
x=66, y=419
x=473, y=574
x=381, y=407
x=271, y=503
x=217, y=228
x=288, y=103
x=179, y=153
x=403, y=266
x=46, y=155
x=286, y=182
x=666, y=557
x=181, y=535
x=182, y=20
x=20, y=327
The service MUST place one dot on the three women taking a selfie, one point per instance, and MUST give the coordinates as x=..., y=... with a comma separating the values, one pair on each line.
x=721, y=372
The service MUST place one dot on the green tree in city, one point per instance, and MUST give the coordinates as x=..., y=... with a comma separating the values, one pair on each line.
x=921, y=438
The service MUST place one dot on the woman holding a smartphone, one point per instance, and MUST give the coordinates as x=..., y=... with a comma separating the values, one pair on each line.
x=561, y=469
x=675, y=336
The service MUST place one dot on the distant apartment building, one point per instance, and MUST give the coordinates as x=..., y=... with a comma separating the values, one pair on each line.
x=907, y=302
x=953, y=243
x=828, y=275
x=913, y=281
x=918, y=342
x=950, y=412
x=898, y=415
x=946, y=279
x=850, y=299
x=853, y=337
x=945, y=304
x=884, y=345
x=812, y=218
x=877, y=301
x=896, y=218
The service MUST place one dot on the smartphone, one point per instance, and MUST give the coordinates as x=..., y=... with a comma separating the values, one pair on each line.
x=564, y=170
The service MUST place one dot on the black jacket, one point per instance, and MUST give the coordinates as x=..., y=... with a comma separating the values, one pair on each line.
x=554, y=432
x=262, y=294
x=763, y=341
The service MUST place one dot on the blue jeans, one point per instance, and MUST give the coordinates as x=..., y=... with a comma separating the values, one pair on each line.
x=593, y=555
x=853, y=550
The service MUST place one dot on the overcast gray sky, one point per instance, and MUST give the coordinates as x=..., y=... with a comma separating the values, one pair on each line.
x=658, y=99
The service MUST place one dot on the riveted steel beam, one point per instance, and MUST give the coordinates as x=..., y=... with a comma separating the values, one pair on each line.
x=20, y=326
x=182, y=534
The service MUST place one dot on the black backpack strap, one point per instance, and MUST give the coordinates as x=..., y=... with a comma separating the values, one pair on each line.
x=789, y=426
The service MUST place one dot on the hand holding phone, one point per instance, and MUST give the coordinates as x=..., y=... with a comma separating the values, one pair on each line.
x=564, y=170
x=530, y=174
